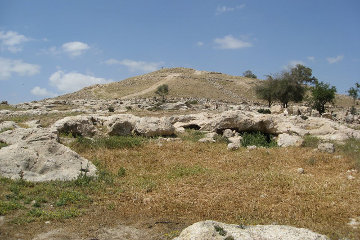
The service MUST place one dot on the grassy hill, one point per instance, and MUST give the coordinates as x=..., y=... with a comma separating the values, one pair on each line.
x=182, y=82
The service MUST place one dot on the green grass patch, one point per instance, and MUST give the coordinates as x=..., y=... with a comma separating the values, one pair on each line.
x=113, y=142
x=192, y=135
x=258, y=139
x=57, y=214
x=69, y=197
x=7, y=206
x=180, y=171
x=310, y=141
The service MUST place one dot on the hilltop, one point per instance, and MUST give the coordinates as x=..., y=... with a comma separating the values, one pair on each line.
x=182, y=82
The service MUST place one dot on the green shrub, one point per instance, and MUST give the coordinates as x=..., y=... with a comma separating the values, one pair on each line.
x=264, y=111
x=258, y=139
x=2, y=145
x=310, y=141
x=111, y=109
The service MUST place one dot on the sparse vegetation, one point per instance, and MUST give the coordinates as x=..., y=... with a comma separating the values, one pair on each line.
x=192, y=135
x=352, y=149
x=354, y=92
x=185, y=175
x=112, y=142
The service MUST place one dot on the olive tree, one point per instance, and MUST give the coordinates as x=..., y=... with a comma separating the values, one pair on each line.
x=162, y=91
x=322, y=93
x=266, y=90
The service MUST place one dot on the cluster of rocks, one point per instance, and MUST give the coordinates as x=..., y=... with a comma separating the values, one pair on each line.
x=37, y=154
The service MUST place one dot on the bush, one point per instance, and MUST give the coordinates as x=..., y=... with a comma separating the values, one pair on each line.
x=264, y=111
x=258, y=139
x=111, y=109
x=310, y=141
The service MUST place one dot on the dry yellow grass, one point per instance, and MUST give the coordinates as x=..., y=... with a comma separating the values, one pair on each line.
x=189, y=182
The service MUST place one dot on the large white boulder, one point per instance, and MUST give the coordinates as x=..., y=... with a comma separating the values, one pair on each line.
x=36, y=155
x=152, y=126
x=83, y=125
x=211, y=230
x=120, y=124
x=286, y=140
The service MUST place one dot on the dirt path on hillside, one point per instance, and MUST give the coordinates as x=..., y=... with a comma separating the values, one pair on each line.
x=153, y=87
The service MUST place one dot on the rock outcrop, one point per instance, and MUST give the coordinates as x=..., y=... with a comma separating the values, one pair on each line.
x=36, y=155
x=211, y=230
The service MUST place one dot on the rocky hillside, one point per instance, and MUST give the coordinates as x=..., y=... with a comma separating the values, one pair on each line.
x=182, y=82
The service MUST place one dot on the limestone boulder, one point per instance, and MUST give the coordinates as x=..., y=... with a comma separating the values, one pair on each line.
x=326, y=147
x=276, y=109
x=152, y=126
x=121, y=124
x=83, y=125
x=286, y=140
x=36, y=155
x=211, y=230
x=6, y=125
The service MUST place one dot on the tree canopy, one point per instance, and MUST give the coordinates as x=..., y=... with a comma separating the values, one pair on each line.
x=302, y=74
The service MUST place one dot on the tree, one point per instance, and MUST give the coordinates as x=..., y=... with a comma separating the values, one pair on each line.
x=288, y=89
x=249, y=74
x=162, y=91
x=265, y=91
x=302, y=74
x=354, y=92
x=322, y=93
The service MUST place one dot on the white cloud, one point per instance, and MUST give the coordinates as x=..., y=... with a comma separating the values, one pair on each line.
x=200, y=43
x=224, y=9
x=70, y=82
x=332, y=60
x=75, y=48
x=42, y=92
x=135, y=66
x=293, y=63
x=12, y=41
x=10, y=66
x=229, y=42
x=311, y=58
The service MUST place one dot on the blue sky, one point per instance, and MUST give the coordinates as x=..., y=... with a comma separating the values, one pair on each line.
x=48, y=48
